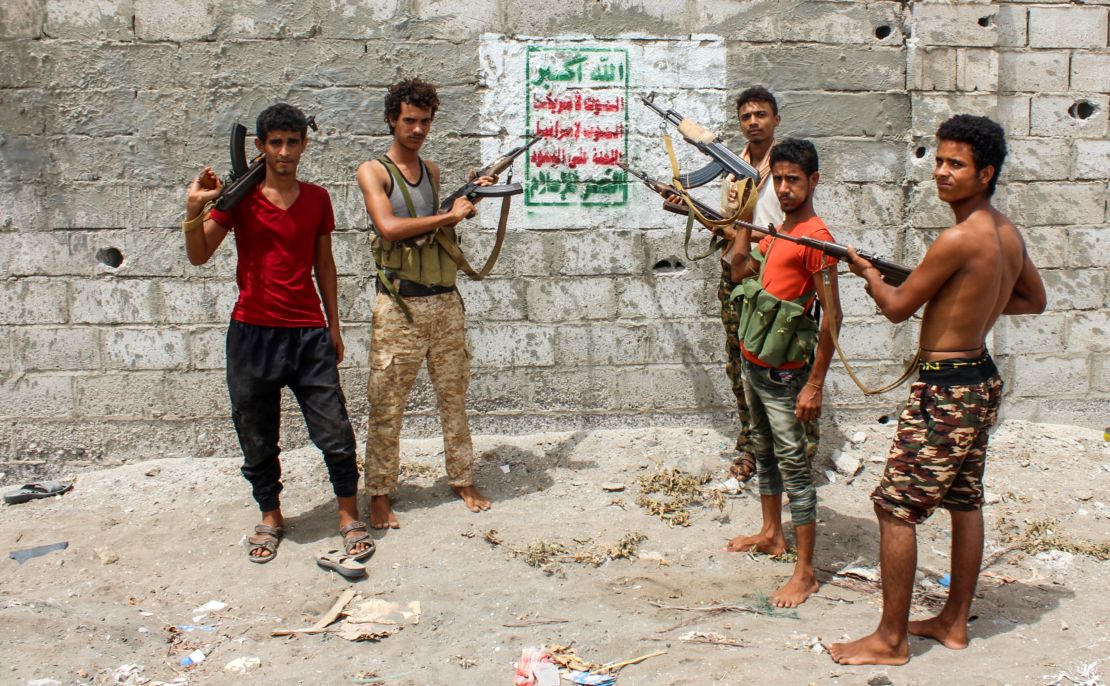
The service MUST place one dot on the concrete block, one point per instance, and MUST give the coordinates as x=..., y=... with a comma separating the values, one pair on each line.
x=570, y=300
x=153, y=348
x=976, y=70
x=1090, y=71
x=23, y=159
x=355, y=19
x=142, y=161
x=38, y=396
x=496, y=299
x=1069, y=115
x=112, y=301
x=1024, y=71
x=197, y=395
x=22, y=19
x=23, y=111
x=1013, y=25
x=98, y=65
x=22, y=209
x=846, y=114
x=187, y=302
x=207, y=347
x=811, y=67
x=1032, y=334
x=96, y=113
x=631, y=389
x=931, y=68
x=179, y=22
x=44, y=253
x=926, y=211
x=1042, y=375
x=1052, y=204
x=1046, y=245
x=89, y=19
x=144, y=440
x=49, y=349
x=699, y=342
x=745, y=22
x=511, y=345
x=861, y=160
x=601, y=343
x=1075, y=289
x=1089, y=331
x=600, y=252
x=448, y=20
x=1013, y=114
x=269, y=19
x=930, y=110
x=870, y=339
x=1036, y=159
x=145, y=252
x=356, y=299
x=664, y=297
x=122, y=395
x=1092, y=159
x=947, y=24
x=1067, y=27
x=688, y=387
x=93, y=205
x=498, y=390
x=879, y=23
x=576, y=389
x=1087, y=246
x=33, y=302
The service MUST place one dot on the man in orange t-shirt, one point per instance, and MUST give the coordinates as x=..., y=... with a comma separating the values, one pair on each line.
x=782, y=398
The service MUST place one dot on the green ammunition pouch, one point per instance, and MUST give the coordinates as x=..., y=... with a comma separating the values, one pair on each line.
x=774, y=330
x=422, y=259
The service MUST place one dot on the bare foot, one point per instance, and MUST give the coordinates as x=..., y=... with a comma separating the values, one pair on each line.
x=795, y=591
x=950, y=635
x=381, y=513
x=764, y=543
x=870, y=650
x=474, y=501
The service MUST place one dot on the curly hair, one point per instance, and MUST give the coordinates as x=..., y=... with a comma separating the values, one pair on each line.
x=797, y=150
x=280, y=117
x=757, y=94
x=414, y=91
x=987, y=139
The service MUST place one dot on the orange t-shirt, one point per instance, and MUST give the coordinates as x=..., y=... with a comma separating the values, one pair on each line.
x=789, y=269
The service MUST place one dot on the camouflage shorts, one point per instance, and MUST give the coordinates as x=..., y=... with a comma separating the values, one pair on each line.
x=939, y=452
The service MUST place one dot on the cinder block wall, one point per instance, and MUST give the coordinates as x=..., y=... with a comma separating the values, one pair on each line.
x=111, y=345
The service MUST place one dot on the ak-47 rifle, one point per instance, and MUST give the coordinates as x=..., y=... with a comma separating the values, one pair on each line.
x=893, y=273
x=724, y=160
x=243, y=176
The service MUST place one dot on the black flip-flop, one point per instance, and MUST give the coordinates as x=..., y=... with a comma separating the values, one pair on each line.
x=42, y=489
x=342, y=563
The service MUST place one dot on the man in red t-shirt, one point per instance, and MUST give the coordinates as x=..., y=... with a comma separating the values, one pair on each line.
x=783, y=396
x=278, y=336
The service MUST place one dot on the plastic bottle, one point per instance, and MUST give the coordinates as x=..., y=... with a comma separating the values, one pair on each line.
x=192, y=658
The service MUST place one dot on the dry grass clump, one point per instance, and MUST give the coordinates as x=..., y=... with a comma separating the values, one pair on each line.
x=1041, y=536
x=675, y=492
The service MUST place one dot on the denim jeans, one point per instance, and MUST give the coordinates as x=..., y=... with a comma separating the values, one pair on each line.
x=779, y=437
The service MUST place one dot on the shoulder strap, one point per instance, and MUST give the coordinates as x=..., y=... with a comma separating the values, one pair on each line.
x=400, y=182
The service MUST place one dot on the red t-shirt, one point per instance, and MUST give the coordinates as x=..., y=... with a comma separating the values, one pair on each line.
x=277, y=252
x=788, y=274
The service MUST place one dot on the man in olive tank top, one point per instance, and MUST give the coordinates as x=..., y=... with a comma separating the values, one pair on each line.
x=418, y=314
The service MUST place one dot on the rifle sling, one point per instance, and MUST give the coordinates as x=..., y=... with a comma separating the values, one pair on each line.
x=452, y=248
x=867, y=390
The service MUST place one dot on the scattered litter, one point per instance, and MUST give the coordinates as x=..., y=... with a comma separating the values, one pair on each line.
x=194, y=627
x=106, y=555
x=374, y=611
x=590, y=679
x=583, y=672
x=505, y=468
x=731, y=485
x=42, y=489
x=1085, y=675
x=378, y=611
x=711, y=638
x=762, y=606
x=242, y=665
x=678, y=490
x=44, y=682
x=25, y=554
x=527, y=620
x=195, y=657
x=373, y=678
x=857, y=571
x=211, y=606
x=465, y=662
x=612, y=487
x=1063, y=625
x=945, y=580
x=535, y=668
x=830, y=476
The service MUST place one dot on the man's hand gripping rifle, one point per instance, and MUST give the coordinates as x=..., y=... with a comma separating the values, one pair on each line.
x=244, y=176
x=893, y=273
x=472, y=190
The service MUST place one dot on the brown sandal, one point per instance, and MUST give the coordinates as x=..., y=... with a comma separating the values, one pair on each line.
x=744, y=467
x=349, y=543
x=266, y=538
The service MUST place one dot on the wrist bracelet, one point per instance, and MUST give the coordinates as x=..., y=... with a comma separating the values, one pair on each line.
x=193, y=224
x=817, y=386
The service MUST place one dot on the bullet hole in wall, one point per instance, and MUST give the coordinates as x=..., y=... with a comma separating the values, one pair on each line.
x=985, y=21
x=1081, y=110
x=920, y=152
x=109, y=257
x=669, y=265
x=882, y=32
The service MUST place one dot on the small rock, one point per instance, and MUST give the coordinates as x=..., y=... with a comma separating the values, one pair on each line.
x=858, y=437
x=1063, y=625
x=242, y=665
x=880, y=680
x=846, y=464
x=992, y=498
x=106, y=555
x=612, y=487
x=1084, y=496
x=153, y=471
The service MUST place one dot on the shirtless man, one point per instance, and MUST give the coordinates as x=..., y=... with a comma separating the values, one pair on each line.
x=418, y=313
x=975, y=271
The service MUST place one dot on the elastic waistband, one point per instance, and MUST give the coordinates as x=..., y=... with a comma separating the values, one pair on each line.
x=413, y=289
x=958, y=371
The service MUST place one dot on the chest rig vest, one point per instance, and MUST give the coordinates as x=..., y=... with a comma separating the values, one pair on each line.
x=422, y=259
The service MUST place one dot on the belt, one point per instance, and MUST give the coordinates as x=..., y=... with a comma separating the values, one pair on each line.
x=412, y=289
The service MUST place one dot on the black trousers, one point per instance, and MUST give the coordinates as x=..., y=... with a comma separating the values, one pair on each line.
x=261, y=360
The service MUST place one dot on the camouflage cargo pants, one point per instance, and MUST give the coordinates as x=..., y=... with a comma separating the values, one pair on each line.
x=398, y=348
x=734, y=360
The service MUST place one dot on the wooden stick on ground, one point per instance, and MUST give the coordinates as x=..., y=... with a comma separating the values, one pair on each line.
x=619, y=665
x=320, y=627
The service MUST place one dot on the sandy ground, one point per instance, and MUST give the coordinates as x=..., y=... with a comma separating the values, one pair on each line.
x=177, y=528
